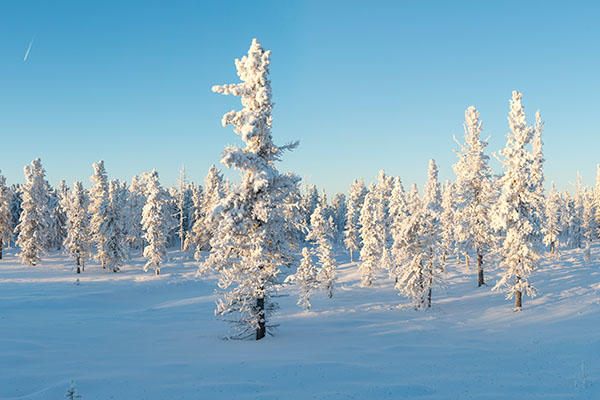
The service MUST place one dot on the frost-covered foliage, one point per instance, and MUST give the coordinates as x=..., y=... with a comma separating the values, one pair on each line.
x=58, y=216
x=515, y=212
x=77, y=242
x=135, y=202
x=249, y=246
x=447, y=219
x=157, y=221
x=472, y=194
x=305, y=279
x=6, y=228
x=205, y=226
x=15, y=208
x=310, y=200
x=372, y=236
x=384, y=187
x=100, y=211
x=356, y=199
x=116, y=230
x=321, y=233
x=34, y=222
x=553, y=227
x=196, y=214
x=417, y=246
x=338, y=212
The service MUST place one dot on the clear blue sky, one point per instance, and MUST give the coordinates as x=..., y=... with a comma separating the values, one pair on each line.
x=362, y=85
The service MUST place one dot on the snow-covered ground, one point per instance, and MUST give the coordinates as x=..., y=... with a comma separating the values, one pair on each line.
x=132, y=335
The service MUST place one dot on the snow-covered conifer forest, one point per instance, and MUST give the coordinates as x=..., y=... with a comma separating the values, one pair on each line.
x=484, y=286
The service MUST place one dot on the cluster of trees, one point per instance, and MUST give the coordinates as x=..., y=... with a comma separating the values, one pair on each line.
x=111, y=220
x=251, y=231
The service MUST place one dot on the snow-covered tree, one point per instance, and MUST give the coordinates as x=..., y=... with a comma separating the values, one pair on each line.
x=249, y=247
x=305, y=279
x=447, y=219
x=6, y=229
x=197, y=214
x=310, y=200
x=588, y=226
x=156, y=222
x=205, y=227
x=321, y=232
x=135, y=203
x=372, y=236
x=116, y=230
x=34, y=223
x=100, y=212
x=473, y=194
x=77, y=242
x=515, y=211
x=553, y=226
x=15, y=208
x=181, y=209
x=338, y=212
x=58, y=216
x=355, y=204
x=418, y=245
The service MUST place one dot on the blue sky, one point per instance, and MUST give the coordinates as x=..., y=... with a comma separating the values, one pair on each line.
x=363, y=86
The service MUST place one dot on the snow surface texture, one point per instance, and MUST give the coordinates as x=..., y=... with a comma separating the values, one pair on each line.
x=133, y=335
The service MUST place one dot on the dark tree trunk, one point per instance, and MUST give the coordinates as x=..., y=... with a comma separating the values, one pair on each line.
x=103, y=265
x=157, y=271
x=480, y=281
x=429, y=298
x=78, y=270
x=261, y=331
x=1, y=246
x=518, y=300
x=551, y=248
x=78, y=260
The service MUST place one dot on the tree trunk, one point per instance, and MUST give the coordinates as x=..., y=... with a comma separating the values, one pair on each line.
x=351, y=256
x=480, y=281
x=458, y=258
x=444, y=256
x=1, y=246
x=261, y=331
x=78, y=260
x=157, y=271
x=78, y=270
x=467, y=263
x=518, y=300
x=429, y=298
x=103, y=264
x=552, y=248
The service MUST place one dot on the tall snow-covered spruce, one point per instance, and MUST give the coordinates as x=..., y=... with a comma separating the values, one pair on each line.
x=77, y=242
x=34, y=222
x=6, y=231
x=515, y=211
x=473, y=194
x=249, y=247
x=156, y=222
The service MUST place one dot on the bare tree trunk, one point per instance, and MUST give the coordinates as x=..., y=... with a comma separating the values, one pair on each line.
x=480, y=270
x=1, y=246
x=103, y=264
x=78, y=269
x=261, y=331
x=467, y=263
x=552, y=248
x=78, y=260
x=444, y=256
x=458, y=258
x=157, y=271
x=518, y=300
x=351, y=256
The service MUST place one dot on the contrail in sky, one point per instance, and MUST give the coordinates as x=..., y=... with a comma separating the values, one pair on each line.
x=28, y=50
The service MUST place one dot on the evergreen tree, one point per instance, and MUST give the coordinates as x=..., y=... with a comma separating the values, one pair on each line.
x=339, y=211
x=418, y=245
x=250, y=246
x=156, y=222
x=116, y=234
x=355, y=204
x=135, y=204
x=473, y=194
x=34, y=222
x=204, y=228
x=15, y=209
x=553, y=229
x=305, y=279
x=447, y=219
x=77, y=242
x=516, y=208
x=372, y=237
x=6, y=229
x=100, y=212
x=321, y=232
